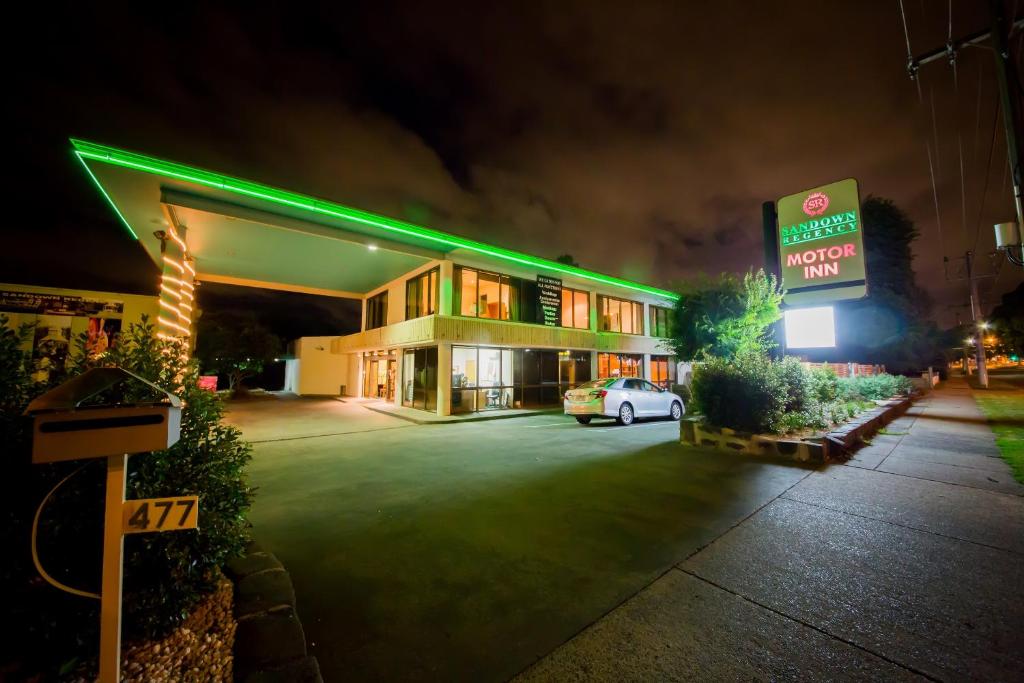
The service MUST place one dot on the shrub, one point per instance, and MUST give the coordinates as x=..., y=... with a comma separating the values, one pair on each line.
x=796, y=379
x=825, y=385
x=165, y=573
x=876, y=387
x=748, y=395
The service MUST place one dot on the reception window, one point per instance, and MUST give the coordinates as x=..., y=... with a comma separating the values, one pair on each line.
x=421, y=295
x=619, y=315
x=575, y=308
x=481, y=378
x=377, y=311
x=619, y=365
x=661, y=321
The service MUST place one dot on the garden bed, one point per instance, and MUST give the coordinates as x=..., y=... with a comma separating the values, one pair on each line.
x=820, y=447
x=201, y=649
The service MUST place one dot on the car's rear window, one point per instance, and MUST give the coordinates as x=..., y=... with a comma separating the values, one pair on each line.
x=597, y=383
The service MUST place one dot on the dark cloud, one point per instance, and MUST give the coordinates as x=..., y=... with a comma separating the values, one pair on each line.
x=728, y=235
x=550, y=129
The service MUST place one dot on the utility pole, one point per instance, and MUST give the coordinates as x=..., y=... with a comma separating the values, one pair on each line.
x=1005, y=71
x=1007, y=78
x=979, y=331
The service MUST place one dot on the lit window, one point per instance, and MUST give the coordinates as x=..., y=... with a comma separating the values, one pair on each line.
x=377, y=311
x=618, y=315
x=660, y=321
x=421, y=295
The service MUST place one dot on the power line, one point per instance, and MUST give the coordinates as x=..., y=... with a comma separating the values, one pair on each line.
x=988, y=170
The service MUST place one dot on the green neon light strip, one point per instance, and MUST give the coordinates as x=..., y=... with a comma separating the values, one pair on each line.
x=110, y=201
x=118, y=157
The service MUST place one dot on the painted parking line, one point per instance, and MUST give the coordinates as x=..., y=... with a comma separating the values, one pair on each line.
x=552, y=424
x=630, y=427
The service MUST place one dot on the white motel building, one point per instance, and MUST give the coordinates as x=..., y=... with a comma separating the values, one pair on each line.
x=449, y=325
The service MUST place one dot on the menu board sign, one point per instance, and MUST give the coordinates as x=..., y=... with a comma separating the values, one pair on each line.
x=549, y=300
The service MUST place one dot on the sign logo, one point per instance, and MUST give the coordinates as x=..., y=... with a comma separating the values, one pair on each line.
x=816, y=203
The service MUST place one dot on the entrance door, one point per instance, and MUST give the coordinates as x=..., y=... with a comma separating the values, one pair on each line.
x=390, y=386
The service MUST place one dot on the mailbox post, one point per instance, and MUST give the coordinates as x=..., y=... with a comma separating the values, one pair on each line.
x=65, y=430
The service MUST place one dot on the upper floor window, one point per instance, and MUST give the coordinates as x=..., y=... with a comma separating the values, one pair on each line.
x=661, y=321
x=377, y=311
x=480, y=294
x=421, y=295
x=619, y=315
x=575, y=308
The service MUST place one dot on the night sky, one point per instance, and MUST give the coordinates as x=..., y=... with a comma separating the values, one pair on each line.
x=641, y=138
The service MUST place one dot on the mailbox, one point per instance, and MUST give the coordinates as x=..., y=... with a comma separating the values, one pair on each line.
x=65, y=430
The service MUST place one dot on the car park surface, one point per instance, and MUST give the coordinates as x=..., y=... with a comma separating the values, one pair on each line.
x=468, y=551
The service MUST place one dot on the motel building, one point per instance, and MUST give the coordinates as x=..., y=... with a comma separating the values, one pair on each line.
x=449, y=325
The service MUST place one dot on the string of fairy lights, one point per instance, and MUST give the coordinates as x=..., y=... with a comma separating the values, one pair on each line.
x=177, y=291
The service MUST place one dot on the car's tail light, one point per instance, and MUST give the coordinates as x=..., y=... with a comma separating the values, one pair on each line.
x=600, y=393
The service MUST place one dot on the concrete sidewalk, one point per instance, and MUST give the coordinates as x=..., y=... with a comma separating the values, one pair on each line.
x=907, y=562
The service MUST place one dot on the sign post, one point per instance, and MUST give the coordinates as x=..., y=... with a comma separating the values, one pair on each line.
x=113, y=570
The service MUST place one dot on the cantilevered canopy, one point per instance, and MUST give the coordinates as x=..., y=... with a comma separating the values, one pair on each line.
x=248, y=233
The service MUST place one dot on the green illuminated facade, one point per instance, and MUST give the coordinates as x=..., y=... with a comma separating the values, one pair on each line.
x=449, y=324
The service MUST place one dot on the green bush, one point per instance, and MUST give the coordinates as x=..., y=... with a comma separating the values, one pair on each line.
x=877, y=387
x=755, y=394
x=825, y=385
x=165, y=573
x=748, y=395
x=797, y=382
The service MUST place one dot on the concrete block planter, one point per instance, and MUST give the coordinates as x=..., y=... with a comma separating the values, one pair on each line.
x=270, y=644
x=832, y=445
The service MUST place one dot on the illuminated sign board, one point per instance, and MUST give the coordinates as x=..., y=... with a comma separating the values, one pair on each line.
x=821, y=250
x=549, y=300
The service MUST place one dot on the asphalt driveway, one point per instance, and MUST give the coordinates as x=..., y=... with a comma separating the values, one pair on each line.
x=468, y=551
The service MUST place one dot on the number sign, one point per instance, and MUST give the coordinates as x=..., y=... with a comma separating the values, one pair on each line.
x=161, y=514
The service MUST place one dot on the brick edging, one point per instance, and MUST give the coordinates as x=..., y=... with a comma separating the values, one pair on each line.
x=829, y=446
x=270, y=645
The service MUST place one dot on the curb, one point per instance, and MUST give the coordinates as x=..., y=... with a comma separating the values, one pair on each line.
x=270, y=645
x=457, y=420
x=817, y=450
x=864, y=425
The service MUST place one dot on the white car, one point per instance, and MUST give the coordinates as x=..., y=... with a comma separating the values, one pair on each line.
x=624, y=398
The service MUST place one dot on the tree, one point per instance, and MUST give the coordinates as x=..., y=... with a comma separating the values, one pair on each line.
x=725, y=317
x=568, y=260
x=235, y=345
x=891, y=325
x=1008, y=321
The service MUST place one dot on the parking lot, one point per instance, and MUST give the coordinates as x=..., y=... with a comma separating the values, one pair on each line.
x=470, y=550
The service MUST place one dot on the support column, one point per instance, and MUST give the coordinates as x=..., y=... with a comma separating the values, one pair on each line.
x=647, y=367
x=446, y=285
x=177, y=286
x=444, y=378
x=399, y=377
